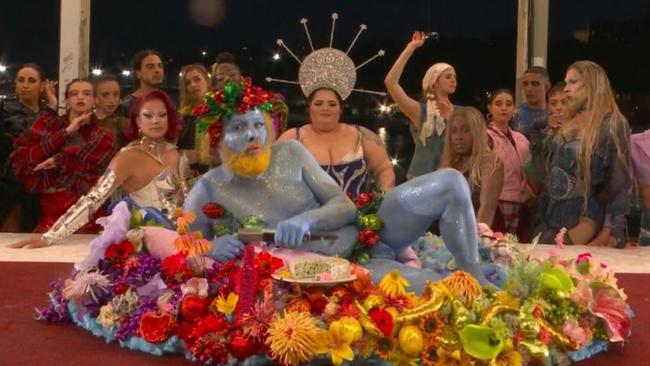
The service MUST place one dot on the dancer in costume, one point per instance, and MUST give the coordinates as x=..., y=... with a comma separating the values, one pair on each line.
x=512, y=147
x=428, y=118
x=467, y=150
x=35, y=96
x=285, y=189
x=149, y=172
x=194, y=84
x=63, y=156
x=588, y=185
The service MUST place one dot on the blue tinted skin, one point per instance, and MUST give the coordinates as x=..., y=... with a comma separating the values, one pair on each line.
x=294, y=196
x=243, y=130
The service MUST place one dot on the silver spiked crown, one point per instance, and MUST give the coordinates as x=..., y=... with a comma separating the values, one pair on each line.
x=328, y=67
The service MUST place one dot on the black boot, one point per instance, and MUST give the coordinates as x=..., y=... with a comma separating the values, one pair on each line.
x=644, y=231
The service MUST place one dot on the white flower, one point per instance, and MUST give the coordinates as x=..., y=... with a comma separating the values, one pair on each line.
x=86, y=282
x=135, y=236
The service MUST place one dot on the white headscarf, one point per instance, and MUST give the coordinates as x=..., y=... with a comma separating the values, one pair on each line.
x=434, y=121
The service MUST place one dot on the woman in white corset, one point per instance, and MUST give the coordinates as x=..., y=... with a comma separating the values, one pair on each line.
x=149, y=172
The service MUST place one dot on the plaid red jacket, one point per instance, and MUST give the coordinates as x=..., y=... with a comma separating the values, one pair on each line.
x=80, y=157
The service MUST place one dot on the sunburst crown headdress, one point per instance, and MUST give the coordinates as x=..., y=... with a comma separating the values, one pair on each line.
x=328, y=67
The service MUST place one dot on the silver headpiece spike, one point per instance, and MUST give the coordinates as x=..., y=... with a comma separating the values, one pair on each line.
x=378, y=54
x=270, y=79
x=334, y=17
x=362, y=27
x=303, y=21
x=383, y=94
x=328, y=67
x=280, y=42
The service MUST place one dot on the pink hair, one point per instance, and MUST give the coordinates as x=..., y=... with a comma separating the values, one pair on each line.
x=173, y=119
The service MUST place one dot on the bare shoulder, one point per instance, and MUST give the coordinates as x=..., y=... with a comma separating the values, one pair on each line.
x=290, y=134
x=370, y=136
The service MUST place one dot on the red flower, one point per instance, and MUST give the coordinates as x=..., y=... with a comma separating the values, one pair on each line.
x=119, y=252
x=318, y=305
x=174, y=268
x=545, y=336
x=213, y=210
x=193, y=308
x=538, y=312
x=362, y=200
x=156, y=328
x=368, y=237
x=518, y=337
x=200, y=109
x=266, y=264
x=211, y=349
x=120, y=288
x=383, y=320
x=184, y=331
x=211, y=324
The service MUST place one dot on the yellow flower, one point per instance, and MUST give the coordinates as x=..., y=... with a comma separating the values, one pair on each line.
x=226, y=305
x=463, y=286
x=294, y=338
x=508, y=357
x=393, y=284
x=184, y=243
x=402, y=359
x=106, y=316
x=336, y=341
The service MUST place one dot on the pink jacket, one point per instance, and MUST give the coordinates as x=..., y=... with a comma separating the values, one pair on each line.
x=513, y=158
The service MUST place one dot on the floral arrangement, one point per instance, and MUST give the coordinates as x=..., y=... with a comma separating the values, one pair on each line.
x=369, y=224
x=551, y=311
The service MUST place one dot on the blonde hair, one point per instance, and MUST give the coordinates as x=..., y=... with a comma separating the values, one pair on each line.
x=600, y=102
x=185, y=101
x=481, y=153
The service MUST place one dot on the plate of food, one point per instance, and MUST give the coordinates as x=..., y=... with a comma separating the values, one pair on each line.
x=315, y=270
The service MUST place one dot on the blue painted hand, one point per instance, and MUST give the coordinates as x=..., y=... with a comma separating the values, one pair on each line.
x=225, y=248
x=291, y=232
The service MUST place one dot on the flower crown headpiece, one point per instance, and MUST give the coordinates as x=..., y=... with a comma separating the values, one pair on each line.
x=235, y=97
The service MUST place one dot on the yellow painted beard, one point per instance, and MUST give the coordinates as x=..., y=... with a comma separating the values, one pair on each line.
x=248, y=166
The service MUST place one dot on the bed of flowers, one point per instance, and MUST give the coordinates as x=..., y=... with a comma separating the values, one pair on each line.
x=552, y=311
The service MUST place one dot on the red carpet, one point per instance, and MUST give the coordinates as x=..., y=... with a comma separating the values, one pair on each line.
x=24, y=341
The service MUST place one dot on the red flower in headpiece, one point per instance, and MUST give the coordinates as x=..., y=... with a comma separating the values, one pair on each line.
x=200, y=109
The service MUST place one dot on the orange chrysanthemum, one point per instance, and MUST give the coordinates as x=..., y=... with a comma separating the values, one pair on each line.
x=293, y=339
x=463, y=286
x=385, y=347
x=183, y=222
x=431, y=327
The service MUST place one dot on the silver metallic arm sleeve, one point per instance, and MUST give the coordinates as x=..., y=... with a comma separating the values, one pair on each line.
x=79, y=213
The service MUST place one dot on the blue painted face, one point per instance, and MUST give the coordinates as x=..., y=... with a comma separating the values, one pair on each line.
x=245, y=133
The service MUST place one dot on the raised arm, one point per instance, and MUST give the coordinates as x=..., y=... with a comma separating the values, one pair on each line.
x=378, y=161
x=409, y=106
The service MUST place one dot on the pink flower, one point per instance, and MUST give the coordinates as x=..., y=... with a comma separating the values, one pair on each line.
x=583, y=257
x=608, y=304
x=572, y=329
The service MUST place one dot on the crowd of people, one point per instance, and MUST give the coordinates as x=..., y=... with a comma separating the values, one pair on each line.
x=562, y=159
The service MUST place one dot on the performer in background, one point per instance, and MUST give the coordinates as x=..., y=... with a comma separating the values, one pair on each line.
x=148, y=172
x=20, y=209
x=427, y=118
x=62, y=157
x=588, y=186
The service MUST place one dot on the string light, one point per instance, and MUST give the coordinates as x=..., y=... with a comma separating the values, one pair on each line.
x=97, y=71
x=276, y=56
x=3, y=68
x=394, y=161
x=126, y=73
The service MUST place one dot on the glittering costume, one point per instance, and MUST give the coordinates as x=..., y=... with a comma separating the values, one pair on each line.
x=158, y=198
x=80, y=159
x=351, y=173
x=562, y=201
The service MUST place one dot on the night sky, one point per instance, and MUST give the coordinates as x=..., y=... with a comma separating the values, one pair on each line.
x=476, y=36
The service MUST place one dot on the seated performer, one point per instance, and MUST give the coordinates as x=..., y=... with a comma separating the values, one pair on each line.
x=149, y=172
x=282, y=185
